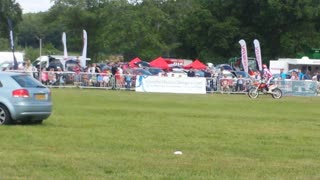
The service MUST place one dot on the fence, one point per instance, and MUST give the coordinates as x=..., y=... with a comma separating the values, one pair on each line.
x=298, y=87
x=87, y=80
x=107, y=81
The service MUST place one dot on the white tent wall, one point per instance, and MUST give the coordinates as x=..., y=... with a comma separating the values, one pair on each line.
x=8, y=56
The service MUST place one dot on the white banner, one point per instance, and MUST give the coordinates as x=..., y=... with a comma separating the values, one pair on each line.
x=244, y=55
x=65, y=52
x=64, y=42
x=185, y=85
x=84, y=51
x=258, y=53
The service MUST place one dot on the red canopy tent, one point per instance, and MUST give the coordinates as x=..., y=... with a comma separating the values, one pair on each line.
x=133, y=61
x=196, y=65
x=160, y=63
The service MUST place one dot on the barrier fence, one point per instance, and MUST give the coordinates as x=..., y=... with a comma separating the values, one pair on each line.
x=299, y=87
x=60, y=79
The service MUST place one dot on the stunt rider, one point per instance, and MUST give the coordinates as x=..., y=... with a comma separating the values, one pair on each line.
x=267, y=76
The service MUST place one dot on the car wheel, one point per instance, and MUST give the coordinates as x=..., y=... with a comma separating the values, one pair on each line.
x=5, y=117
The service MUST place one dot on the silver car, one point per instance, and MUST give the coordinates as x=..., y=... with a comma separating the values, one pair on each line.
x=23, y=99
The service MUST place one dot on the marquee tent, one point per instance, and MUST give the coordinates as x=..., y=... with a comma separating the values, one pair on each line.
x=160, y=63
x=196, y=65
x=133, y=61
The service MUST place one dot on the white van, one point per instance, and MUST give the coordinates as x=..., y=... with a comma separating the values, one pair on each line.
x=43, y=61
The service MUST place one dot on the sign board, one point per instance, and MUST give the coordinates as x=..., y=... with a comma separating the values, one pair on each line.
x=171, y=84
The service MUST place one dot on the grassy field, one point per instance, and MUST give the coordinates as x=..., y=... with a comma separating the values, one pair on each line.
x=98, y=134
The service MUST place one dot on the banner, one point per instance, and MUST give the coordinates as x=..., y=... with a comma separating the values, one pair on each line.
x=244, y=55
x=158, y=84
x=258, y=53
x=64, y=42
x=65, y=52
x=15, y=62
x=84, y=51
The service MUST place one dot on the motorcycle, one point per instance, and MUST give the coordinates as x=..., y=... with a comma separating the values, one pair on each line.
x=261, y=88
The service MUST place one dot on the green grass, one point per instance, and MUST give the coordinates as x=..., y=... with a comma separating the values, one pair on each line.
x=98, y=134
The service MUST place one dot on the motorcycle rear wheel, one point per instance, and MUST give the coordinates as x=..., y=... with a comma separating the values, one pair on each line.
x=276, y=93
x=253, y=93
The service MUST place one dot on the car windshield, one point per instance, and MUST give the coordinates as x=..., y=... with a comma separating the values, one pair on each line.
x=142, y=72
x=243, y=74
x=26, y=81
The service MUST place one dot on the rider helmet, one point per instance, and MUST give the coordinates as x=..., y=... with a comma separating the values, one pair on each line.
x=264, y=66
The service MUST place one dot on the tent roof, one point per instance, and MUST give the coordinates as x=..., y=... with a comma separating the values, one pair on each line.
x=196, y=65
x=133, y=61
x=160, y=63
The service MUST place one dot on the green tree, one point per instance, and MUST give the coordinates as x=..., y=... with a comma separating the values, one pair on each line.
x=9, y=9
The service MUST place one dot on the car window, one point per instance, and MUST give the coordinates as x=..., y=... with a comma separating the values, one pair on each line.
x=142, y=71
x=27, y=81
x=155, y=71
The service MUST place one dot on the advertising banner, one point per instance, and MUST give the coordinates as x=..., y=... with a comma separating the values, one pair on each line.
x=171, y=85
x=244, y=55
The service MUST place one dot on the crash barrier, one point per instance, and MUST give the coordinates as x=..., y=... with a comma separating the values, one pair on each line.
x=298, y=87
x=87, y=80
x=228, y=85
x=128, y=82
x=52, y=78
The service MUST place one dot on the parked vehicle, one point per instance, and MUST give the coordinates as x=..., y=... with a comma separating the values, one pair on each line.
x=155, y=71
x=55, y=63
x=139, y=71
x=104, y=67
x=225, y=67
x=23, y=98
x=142, y=64
x=177, y=74
x=44, y=61
x=242, y=73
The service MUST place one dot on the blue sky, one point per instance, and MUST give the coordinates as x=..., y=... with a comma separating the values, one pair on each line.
x=34, y=5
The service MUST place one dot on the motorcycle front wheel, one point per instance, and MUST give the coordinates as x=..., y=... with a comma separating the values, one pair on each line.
x=253, y=93
x=276, y=93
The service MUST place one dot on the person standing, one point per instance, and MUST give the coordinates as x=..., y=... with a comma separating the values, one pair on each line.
x=77, y=70
x=300, y=75
x=307, y=76
x=283, y=75
x=28, y=68
x=114, y=70
x=239, y=85
x=191, y=73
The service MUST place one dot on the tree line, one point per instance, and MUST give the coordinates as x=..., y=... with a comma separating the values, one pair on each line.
x=208, y=30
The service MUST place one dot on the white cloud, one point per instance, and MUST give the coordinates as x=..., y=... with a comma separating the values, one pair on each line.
x=34, y=5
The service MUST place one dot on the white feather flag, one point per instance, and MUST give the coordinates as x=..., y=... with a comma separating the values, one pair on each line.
x=84, y=51
x=64, y=42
